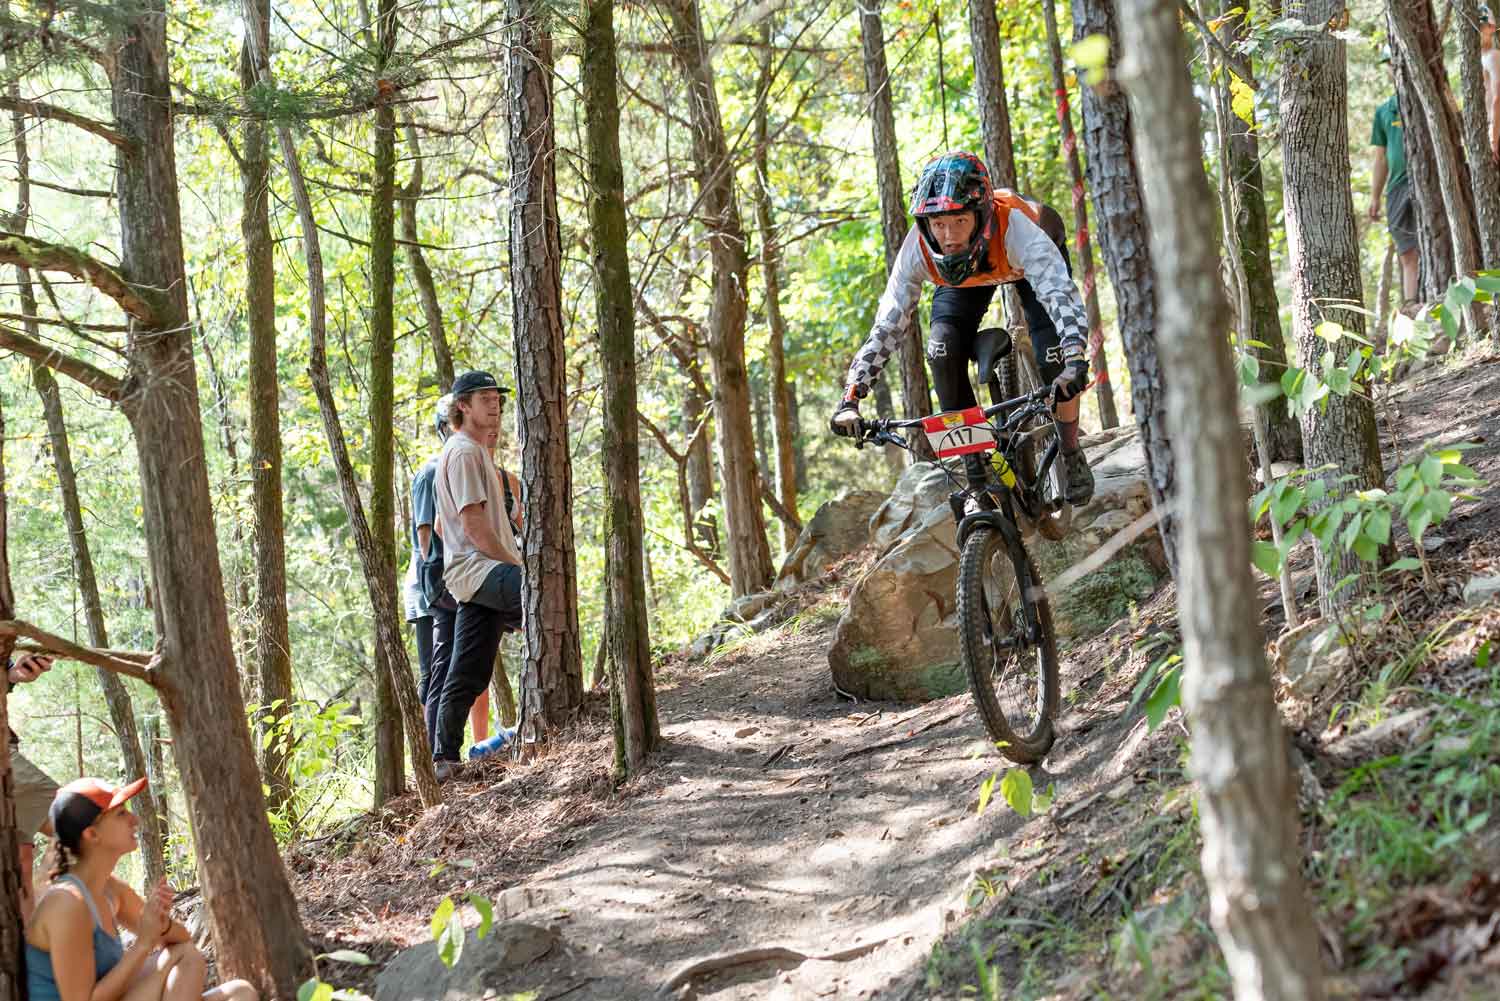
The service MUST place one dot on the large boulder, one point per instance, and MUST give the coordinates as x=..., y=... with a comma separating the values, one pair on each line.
x=839, y=527
x=484, y=969
x=898, y=639
x=922, y=487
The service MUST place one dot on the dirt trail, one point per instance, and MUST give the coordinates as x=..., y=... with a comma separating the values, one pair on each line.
x=788, y=818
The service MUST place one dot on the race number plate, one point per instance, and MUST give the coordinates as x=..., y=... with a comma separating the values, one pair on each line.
x=959, y=432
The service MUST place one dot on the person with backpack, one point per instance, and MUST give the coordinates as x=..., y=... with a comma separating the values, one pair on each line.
x=481, y=561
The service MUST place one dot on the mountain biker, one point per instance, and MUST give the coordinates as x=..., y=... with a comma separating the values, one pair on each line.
x=968, y=239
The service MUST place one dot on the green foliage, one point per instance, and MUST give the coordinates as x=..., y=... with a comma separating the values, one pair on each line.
x=447, y=926
x=326, y=766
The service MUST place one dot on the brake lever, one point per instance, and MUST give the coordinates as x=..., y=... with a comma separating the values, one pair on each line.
x=863, y=428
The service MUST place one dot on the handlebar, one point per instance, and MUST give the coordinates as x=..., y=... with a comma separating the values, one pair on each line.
x=883, y=431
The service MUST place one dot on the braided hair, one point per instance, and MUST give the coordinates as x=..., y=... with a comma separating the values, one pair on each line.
x=66, y=857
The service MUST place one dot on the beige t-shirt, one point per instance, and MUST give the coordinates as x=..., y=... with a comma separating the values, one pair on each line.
x=466, y=475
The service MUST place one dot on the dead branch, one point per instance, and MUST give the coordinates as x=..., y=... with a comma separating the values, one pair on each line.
x=880, y=745
x=29, y=252
x=41, y=109
x=680, y=459
x=109, y=386
x=141, y=666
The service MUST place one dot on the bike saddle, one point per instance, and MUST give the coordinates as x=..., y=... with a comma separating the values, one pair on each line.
x=990, y=345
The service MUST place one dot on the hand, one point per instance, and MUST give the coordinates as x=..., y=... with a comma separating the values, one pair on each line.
x=1071, y=381
x=1374, y=209
x=845, y=420
x=156, y=916
x=29, y=667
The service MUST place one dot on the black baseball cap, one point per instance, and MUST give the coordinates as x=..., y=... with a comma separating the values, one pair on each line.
x=473, y=381
x=79, y=803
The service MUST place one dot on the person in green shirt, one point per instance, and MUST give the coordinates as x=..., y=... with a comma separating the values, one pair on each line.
x=1388, y=163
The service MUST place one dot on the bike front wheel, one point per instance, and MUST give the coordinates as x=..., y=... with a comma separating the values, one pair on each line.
x=1008, y=645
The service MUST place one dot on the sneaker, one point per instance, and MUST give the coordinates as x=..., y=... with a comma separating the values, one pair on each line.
x=1080, y=487
x=446, y=770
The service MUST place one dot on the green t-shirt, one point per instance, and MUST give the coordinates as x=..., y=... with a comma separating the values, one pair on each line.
x=1390, y=132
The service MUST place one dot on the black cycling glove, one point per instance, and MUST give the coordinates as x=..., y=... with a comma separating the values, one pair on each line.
x=1071, y=381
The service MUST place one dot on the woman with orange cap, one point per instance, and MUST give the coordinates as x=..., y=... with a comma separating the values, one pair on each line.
x=73, y=946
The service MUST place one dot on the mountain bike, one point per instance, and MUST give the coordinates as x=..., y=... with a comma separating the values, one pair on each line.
x=1003, y=461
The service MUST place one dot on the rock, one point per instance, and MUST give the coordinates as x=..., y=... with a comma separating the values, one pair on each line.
x=746, y=731
x=748, y=607
x=1432, y=543
x=417, y=974
x=1481, y=589
x=1310, y=658
x=839, y=527
x=898, y=638
x=921, y=488
x=1402, y=731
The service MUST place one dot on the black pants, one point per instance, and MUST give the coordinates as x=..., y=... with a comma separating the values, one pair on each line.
x=495, y=608
x=434, y=649
x=956, y=315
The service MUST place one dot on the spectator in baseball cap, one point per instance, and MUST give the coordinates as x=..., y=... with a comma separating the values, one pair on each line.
x=73, y=945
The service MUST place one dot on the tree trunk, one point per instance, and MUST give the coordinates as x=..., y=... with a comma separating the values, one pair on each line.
x=389, y=780
x=383, y=602
x=421, y=274
x=1247, y=799
x=500, y=690
x=770, y=263
x=271, y=654
x=1114, y=180
x=989, y=93
x=552, y=674
x=750, y=567
x=12, y=985
x=916, y=392
x=1263, y=324
x=1383, y=299
x=1423, y=69
x=1427, y=80
x=632, y=688
x=1484, y=171
x=1104, y=392
x=1324, y=253
x=256, y=929
x=121, y=712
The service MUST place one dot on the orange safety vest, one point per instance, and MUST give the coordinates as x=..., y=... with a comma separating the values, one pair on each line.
x=997, y=269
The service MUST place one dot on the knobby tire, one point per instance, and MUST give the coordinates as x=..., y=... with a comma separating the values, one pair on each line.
x=1021, y=726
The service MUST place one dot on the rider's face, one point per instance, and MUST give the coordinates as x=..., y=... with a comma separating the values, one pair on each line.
x=952, y=231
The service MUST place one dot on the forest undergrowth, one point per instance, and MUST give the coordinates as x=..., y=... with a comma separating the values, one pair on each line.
x=781, y=815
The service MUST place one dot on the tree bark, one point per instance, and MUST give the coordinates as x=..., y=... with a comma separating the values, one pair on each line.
x=626, y=629
x=1104, y=391
x=271, y=655
x=12, y=986
x=1437, y=241
x=416, y=260
x=916, y=392
x=121, y=712
x=1427, y=79
x=389, y=780
x=256, y=929
x=1263, y=323
x=1324, y=255
x=552, y=673
x=749, y=554
x=1240, y=762
x=770, y=264
x=989, y=93
x=1115, y=181
x=1484, y=171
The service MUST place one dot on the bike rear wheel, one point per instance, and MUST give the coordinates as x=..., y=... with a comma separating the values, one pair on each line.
x=1008, y=645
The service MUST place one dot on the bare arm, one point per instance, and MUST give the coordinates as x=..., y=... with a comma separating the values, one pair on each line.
x=132, y=911
x=1492, y=83
x=518, y=516
x=479, y=531
x=1377, y=183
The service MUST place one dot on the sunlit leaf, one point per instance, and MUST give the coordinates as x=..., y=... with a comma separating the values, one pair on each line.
x=1015, y=787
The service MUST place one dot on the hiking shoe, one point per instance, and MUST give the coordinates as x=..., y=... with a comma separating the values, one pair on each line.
x=1080, y=487
x=446, y=770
